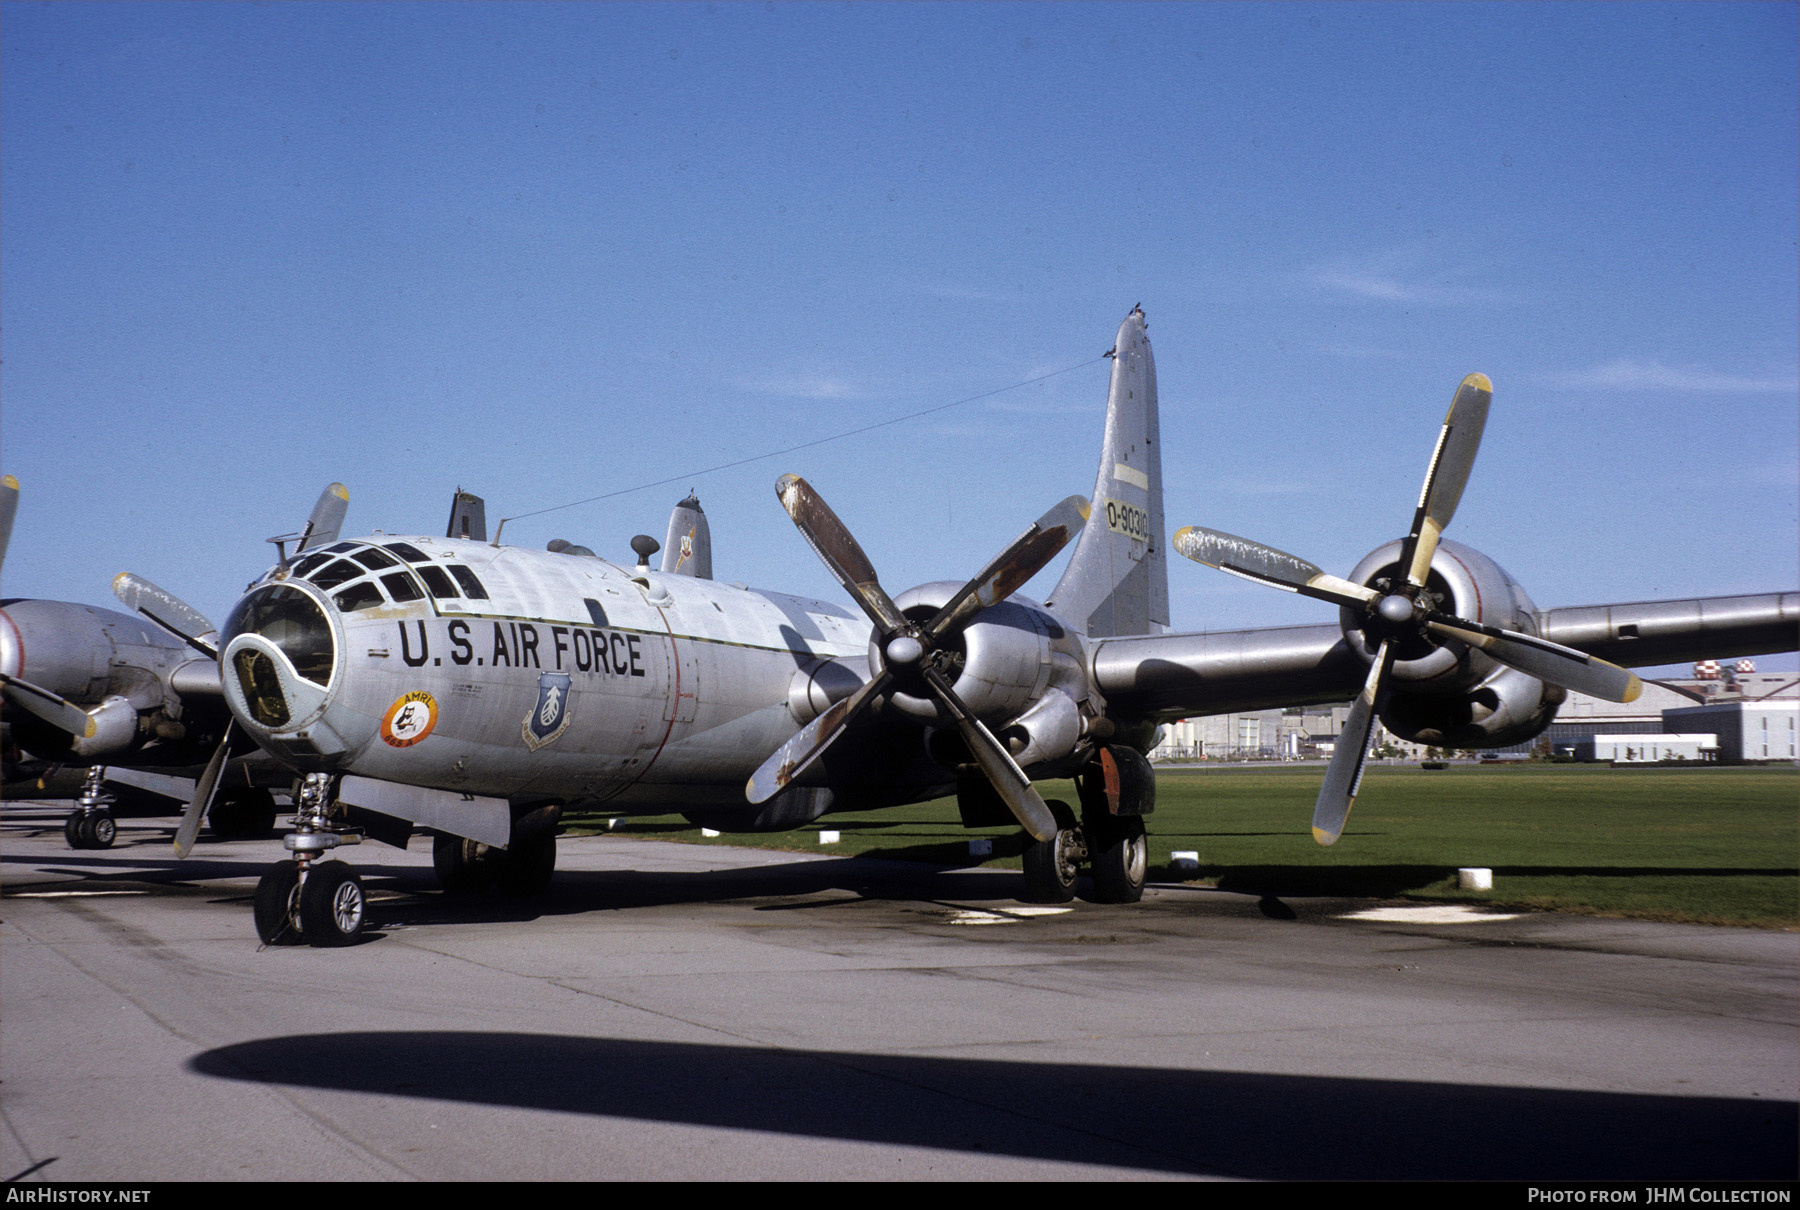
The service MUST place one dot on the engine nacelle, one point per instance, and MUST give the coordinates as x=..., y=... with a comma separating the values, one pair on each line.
x=1004, y=655
x=1507, y=708
x=1020, y=670
x=138, y=684
x=1442, y=692
x=1464, y=582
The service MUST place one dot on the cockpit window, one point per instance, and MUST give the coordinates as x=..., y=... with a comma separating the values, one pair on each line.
x=471, y=586
x=292, y=621
x=409, y=552
x=308, y=563
x=340, y=548
x=336, y=573
x=403, y=586
x=374, y=559
x=361, y=595
x=437, y=581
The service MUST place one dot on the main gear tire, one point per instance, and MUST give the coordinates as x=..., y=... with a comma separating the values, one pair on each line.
x=1052, y=866
x=463, y=866
x=1120, y=858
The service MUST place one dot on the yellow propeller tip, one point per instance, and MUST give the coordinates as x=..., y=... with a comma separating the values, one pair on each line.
x=9, y=481
x=1479, y=382
x=1634, y=690
x=340, y=491
x=1327, y=839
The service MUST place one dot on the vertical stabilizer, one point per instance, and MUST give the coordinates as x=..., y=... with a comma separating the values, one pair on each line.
x=688, y=552
x=1117, y=582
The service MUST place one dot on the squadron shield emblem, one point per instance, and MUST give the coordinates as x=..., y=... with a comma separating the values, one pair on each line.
x=550, y=717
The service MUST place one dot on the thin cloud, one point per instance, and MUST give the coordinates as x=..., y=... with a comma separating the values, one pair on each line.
x=806, y=386
x=1626, y=374
x=1402, y=276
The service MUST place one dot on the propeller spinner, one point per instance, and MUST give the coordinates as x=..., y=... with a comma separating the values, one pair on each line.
x=918, y=654
x=1403, y=609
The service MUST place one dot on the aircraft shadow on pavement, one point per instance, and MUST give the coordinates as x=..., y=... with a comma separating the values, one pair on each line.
x=1219, y=1123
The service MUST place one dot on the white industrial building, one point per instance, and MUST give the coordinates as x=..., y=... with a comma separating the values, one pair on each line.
x=1745, y=730
x=1647, y=749
x=1747, y=715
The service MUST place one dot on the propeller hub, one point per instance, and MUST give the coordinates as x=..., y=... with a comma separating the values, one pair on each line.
x=1394, y=609
x=904, y=650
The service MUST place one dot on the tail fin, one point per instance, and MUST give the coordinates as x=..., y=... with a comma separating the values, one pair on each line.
x=688, y=552
x=468, y=517
x=1117, y=582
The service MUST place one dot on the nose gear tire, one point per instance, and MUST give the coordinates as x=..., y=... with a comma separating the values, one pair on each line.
x=332, y=908
x=277, y=907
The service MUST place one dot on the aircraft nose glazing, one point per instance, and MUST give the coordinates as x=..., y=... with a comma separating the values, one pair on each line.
x=279, y=659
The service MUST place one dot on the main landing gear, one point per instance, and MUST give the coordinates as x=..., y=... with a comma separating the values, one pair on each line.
x=522, y=869
x=308, y=899
x=1117, y=790
x=91, y=824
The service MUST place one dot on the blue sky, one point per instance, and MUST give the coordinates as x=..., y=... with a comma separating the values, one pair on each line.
x=546, y=252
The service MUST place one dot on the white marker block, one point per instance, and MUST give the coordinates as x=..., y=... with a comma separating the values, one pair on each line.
x=981, y=846
x=707, y=832
x=828, y=837
x=1184, y=859
x=1475, y=879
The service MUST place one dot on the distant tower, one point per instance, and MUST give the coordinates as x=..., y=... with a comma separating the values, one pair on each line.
x=1706, y=670
x=1744, y=666
x=688, y=552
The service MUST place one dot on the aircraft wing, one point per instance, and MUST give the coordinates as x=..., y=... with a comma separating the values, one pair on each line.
x=1161, y=677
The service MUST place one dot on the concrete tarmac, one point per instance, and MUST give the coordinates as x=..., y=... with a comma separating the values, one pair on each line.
x=676, y=1012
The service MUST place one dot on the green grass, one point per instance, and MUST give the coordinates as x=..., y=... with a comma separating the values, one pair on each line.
x=1711, y=845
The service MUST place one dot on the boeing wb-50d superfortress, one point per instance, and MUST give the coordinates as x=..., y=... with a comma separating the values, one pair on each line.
x=476, y=689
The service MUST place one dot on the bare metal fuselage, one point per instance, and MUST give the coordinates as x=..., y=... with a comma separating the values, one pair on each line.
x=644, y=687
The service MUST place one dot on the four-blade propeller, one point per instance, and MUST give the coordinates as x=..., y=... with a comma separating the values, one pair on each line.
x=918, y=653
x=1404, y=607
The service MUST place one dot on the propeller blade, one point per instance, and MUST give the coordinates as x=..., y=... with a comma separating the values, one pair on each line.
x=1001, y=770
x=327, y=518
x=1008, y=571
x=1344, y=775
x=792, y=758
x=1543, y=659
x=1448, y=474
x=54, y=709
x=195, y=815
x=9, y=507
x=1266, y=565
x=831, y=541
x=168, y=611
